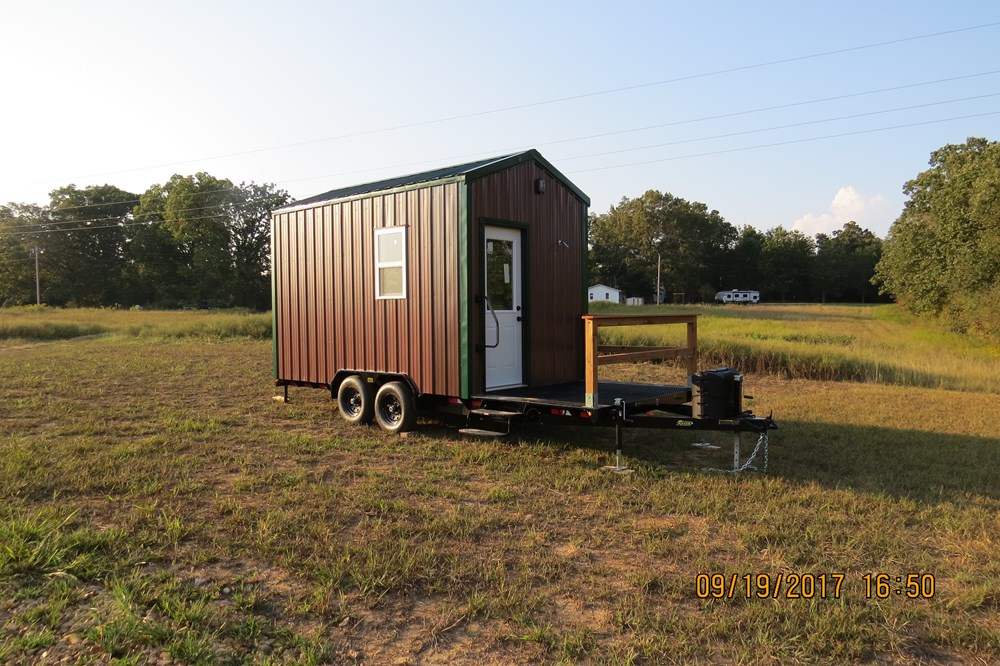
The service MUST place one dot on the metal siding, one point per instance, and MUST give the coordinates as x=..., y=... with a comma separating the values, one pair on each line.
x=293, y=297
x=449, y=269
x=337, y=344
x=422, y=245
x=554, y=273
x=306, y=307
x=353, y=288
x=327, y=316
x=289, y=336
x=378, y=346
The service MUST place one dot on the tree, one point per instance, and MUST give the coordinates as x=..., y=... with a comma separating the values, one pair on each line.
x=249, y=220
x=743, y=266
x=942, y=256
x=85, y=244
x=786, y=264
x=691, y=241
x=19, y=227
x=205, y=241
x=845, y=264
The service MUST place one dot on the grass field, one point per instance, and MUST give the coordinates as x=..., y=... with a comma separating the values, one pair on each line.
x=880, y=344
x=159, y=508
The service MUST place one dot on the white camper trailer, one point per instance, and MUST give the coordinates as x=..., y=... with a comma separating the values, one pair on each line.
x=738, y=296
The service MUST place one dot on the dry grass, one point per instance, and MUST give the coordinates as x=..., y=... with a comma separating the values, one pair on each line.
x=158, y=502
x=877, y=344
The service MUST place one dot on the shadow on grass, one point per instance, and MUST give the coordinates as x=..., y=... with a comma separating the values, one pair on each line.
x=922, y=466
x=925, y=467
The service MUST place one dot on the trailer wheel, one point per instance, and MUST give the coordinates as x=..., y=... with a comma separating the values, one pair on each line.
x=356, y=400
x=395, y=408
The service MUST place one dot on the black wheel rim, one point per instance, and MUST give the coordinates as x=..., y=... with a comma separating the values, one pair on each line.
x=391, y=410
x=352, y=406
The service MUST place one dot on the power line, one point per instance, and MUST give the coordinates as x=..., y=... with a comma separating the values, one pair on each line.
x=102, y=219
x=110, y=226
x=596, y=136
x=786, y=143
x=556, y=100
x=779, y=127
x=16, y=261
x=614, y=166
x=772, y=108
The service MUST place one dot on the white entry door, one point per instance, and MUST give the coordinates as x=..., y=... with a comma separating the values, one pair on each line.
x=502, y=261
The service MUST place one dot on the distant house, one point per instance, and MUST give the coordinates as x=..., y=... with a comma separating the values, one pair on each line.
x=635, y=300
x=602, y=292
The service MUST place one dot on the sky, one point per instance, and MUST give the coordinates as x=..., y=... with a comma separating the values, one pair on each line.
x=799, y=114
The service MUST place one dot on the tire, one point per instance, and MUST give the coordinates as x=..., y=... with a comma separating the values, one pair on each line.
x=356, y=400
x=395, y=408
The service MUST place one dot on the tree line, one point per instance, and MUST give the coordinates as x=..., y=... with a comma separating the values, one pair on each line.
x=699, y=253
x=193, y=241
x=942, y=256
x=199, y=240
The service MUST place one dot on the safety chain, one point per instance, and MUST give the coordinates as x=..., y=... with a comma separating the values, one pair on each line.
x=761, y=441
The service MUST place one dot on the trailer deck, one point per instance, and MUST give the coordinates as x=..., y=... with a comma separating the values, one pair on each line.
x=572, y=395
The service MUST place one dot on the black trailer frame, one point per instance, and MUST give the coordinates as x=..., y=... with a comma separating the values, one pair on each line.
x=631, y=405
x=711, y=401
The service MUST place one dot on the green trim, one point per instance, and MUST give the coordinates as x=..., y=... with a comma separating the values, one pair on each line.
x=585, y=260
x=375, y=193
x=584, y=284
x=274, y=302
x=526, y=302
x=520, y=158
x=464, y=302
x=499, y=222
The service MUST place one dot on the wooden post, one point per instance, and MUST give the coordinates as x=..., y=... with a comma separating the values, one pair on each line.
x=590, y=371
x=692, y=345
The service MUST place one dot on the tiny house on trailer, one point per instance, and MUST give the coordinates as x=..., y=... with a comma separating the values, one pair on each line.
x=458, y=289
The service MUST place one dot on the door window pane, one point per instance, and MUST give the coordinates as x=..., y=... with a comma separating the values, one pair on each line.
x=500, y=273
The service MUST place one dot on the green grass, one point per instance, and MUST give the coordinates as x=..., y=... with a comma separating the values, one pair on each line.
x=878, y=344
x=155, y=500
x=29, y=324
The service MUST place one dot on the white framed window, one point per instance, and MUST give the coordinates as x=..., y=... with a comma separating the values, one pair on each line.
x=390, y=262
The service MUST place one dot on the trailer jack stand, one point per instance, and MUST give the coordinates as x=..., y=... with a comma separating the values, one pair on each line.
x=281, y=398
x=617, y=468
x=748, y=464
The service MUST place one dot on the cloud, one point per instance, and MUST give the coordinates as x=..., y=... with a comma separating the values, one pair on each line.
x=848, y=204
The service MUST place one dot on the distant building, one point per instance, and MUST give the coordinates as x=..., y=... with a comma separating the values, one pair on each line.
x=602, y=292
x=738, y=296
x=635, y=300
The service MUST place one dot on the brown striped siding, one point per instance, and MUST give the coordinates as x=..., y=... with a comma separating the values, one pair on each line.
x=327, y=316
x=555, y=273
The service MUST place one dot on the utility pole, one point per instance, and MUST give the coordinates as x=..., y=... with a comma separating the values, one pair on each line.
x=658, y=278
x=38, y=284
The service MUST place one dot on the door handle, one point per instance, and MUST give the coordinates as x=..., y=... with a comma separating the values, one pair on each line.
x=495, y=321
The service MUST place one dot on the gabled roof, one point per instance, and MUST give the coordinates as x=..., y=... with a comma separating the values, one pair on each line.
x=468, y=171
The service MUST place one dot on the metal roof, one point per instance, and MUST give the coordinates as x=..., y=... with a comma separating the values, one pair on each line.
x=473, y=169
